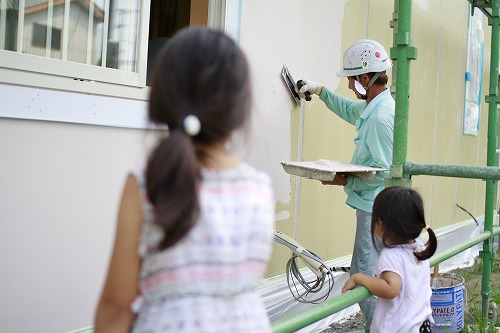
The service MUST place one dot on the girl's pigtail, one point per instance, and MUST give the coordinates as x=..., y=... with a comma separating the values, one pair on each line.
x=430, y=248
x=172, y=176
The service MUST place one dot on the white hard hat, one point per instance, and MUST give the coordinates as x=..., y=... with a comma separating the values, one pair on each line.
x=365, y=56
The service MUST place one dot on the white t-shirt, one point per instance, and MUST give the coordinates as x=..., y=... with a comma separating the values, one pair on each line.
x=406, y=312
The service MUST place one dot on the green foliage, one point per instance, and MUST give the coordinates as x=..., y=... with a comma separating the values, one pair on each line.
x=475, y=322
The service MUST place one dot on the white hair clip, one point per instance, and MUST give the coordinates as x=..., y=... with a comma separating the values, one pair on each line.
x=191, y=125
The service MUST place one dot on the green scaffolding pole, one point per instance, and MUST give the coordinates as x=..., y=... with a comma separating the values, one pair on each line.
x=402, y=53
x=492, y=99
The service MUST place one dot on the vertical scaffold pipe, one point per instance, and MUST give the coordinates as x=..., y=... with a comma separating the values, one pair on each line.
x=402, y=53
x=487, y=253
x=394, y=25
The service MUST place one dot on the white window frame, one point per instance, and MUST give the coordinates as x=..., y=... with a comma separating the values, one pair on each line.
x=35, y=71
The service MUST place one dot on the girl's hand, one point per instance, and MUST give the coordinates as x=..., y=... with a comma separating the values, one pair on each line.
x=387, y=286
x=350, y=284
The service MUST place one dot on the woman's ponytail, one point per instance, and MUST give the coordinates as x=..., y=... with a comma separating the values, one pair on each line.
x=172, y=175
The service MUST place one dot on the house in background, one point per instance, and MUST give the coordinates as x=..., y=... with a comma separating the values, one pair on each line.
x=73, y=124
x=43, y=25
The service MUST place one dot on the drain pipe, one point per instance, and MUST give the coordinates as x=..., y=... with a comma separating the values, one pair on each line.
x=298, y=180
x=402, y=53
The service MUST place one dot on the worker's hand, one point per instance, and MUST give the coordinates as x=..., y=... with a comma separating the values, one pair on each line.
x=312, y=87
x=340, y=179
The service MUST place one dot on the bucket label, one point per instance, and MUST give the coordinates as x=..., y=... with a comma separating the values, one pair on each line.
x=448, y=309
x=441, y=312
x=442, y=298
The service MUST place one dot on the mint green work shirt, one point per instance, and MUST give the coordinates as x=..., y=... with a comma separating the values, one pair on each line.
x=373, y=145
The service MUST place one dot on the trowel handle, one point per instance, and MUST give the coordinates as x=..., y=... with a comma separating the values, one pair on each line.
x=300, y=83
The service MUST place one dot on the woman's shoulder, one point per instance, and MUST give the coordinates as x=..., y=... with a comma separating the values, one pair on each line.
x=243, y=171
x=256, y=173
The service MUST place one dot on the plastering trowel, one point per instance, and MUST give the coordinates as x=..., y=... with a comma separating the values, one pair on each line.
x=293, y=86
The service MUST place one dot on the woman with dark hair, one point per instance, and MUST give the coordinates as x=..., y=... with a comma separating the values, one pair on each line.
x=194, y=232
x=402, y=281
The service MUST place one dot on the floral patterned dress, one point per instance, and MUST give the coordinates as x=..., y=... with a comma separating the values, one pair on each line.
x=207, y=281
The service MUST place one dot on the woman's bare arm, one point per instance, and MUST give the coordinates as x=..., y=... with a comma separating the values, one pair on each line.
x=113, y=311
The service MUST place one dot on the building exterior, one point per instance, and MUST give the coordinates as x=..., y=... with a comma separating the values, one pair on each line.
x=73, y=124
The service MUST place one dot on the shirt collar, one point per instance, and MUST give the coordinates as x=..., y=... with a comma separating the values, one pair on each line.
x=374, y=103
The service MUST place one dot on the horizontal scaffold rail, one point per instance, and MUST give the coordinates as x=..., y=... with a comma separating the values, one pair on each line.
x=458, y=171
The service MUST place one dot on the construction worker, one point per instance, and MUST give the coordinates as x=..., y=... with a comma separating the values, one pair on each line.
x=365, y=64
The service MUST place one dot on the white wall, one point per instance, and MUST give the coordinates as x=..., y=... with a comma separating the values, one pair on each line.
x=59, y=190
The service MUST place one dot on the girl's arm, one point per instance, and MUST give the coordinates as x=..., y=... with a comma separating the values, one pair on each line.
x=387, y=286
x=113, y=311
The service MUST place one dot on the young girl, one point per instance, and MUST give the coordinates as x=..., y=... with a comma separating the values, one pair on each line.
x=194, y=234
x=402, y=281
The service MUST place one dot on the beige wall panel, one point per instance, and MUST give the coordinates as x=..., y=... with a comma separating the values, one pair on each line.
x=378, y=22
x=449, y=112
x=436, y=108
x=423, y=84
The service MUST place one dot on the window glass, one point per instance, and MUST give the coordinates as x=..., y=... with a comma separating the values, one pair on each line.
x=104, y=47
x=74, y=30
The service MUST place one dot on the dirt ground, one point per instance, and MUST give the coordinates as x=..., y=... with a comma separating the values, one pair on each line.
x=352, y=324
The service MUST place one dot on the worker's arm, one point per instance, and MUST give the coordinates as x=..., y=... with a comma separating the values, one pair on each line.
x=386, y=286
x=114, y=312
x=343, y=107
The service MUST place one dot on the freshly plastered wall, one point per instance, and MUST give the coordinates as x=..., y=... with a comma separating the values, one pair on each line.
x=308, y=40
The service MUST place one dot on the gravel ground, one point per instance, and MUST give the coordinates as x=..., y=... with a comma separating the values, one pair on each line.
x=355, y=323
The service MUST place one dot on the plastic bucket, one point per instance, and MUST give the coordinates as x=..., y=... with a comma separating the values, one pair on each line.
x=447, y=303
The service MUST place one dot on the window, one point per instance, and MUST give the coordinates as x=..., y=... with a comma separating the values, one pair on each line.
x=39, y=37
x=93, y=46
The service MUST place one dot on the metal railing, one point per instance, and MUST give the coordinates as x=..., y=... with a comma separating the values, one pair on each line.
x=300, y=320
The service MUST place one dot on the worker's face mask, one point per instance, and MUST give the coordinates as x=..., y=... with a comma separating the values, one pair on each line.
x=359, y=88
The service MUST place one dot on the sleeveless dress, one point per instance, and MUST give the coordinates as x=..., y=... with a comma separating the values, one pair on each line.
x=207, y=281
